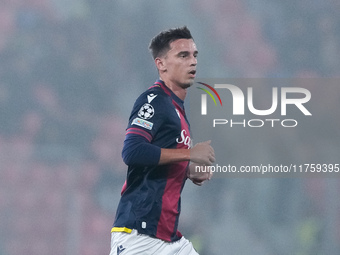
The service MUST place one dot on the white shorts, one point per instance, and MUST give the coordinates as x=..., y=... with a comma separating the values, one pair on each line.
x=137, y=244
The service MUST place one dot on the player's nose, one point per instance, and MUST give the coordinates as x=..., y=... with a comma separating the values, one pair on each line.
x=193, y=61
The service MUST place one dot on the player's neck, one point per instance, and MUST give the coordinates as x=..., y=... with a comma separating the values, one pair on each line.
x=176, y=89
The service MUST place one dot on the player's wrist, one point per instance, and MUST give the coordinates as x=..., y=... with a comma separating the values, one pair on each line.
x=173, y=155
x=187, y=154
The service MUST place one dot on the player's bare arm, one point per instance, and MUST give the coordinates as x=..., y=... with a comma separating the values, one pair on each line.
x=202, y=154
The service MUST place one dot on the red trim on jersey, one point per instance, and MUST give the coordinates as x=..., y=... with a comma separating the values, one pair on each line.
x=164, y=87
x=138, y=131
x=170, y=202
x=158, y=83
x=172, y=192
x=154, y=86
x=123, y=188
x=180, y=110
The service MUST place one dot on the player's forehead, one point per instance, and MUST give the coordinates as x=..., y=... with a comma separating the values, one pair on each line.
x=181, y=45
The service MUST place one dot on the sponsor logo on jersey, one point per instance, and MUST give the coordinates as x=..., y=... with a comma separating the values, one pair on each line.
x=120, y=249
x=151, y=97
x=142, y=123
x=185, y=139
x=146, y=111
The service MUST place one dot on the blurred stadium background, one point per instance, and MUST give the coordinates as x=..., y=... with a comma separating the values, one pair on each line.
x=69, y=74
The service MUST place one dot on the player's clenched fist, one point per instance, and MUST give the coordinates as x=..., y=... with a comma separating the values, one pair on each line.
x=198, y=174
x=202, y=153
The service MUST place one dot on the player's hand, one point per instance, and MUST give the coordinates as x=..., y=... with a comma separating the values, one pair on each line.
x=202, y=153
x=198, y=174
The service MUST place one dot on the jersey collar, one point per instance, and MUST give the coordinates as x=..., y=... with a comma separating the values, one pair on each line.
x=169, y=92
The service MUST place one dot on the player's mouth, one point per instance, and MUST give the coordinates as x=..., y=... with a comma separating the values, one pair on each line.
x=192, y=73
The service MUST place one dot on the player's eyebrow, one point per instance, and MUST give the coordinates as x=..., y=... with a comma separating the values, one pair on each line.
x=186, y=53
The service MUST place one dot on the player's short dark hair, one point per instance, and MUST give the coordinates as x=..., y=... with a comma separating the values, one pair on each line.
x=160, y=44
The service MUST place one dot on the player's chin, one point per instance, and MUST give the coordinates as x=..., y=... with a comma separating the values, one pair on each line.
x=188, y=84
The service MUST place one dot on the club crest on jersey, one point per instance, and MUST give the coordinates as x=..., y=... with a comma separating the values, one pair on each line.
x=142, y=123
x=146, y=111
x=185, y=139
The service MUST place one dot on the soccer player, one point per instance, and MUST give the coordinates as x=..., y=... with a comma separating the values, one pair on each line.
x=158, y=150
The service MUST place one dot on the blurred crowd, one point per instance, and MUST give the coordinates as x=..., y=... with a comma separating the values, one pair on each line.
x=257, y=39
x=65, y=74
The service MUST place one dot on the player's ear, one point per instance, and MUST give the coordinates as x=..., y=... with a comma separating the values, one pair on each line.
x=160, y=64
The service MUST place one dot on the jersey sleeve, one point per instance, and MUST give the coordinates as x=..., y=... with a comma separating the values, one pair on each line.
x=146, y=118
x=147, y=114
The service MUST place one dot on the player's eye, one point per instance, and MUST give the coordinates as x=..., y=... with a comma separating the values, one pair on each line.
x=183, y=54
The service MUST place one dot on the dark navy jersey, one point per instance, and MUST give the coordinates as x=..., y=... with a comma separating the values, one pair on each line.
x=151, y=195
